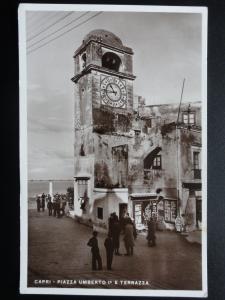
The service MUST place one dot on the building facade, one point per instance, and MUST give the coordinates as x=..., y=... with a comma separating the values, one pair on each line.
x=129, y=157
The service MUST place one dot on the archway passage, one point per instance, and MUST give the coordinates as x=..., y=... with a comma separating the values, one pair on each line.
x=148, y=161
x=111, y=61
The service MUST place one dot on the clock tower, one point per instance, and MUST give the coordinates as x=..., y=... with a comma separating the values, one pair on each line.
x=103, y=108
x=104, y=73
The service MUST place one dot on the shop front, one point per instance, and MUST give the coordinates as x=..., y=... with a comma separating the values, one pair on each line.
x=148, y=205
x=144, y=207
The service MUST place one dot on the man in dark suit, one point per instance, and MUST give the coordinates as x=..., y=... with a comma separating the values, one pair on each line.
x=109, y=247
x=43, y=201
x=93, y=243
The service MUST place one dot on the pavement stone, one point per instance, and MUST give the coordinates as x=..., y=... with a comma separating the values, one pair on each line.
x=194, y=237
x=58, y=250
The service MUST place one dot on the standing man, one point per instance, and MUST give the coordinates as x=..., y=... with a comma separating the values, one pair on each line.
x=38, y=200
x=93, y=243
x=129, y=237
x=48, y=197
x=58, y=207
x=115, y=233
x=109, y=251
x=50, y=206
x=43, y=201
x=151, y=232
x=110, y=223
x=54, y=206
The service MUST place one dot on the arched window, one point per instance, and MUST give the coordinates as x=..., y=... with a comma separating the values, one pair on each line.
x=111, y=61
x=153, y=160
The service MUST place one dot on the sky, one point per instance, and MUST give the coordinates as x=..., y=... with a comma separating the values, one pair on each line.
x=167, y=48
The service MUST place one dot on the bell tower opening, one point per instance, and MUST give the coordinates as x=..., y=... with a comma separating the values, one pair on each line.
x=111, y=61
x=84, y=60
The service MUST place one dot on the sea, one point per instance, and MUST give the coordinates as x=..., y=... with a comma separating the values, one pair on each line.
x=37, y=187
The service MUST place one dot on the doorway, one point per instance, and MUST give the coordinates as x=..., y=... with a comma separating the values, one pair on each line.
x=122, y=210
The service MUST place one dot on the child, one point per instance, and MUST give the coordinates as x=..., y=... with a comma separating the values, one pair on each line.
x=109, y=251
x=93, y=243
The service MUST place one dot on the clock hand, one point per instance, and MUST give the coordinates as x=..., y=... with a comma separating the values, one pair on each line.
x=110, y=92
x=112, y=88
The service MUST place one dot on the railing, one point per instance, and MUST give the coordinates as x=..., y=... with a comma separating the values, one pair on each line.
x=151, y=174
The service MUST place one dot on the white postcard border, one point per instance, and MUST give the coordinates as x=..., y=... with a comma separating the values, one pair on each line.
x=23, y=8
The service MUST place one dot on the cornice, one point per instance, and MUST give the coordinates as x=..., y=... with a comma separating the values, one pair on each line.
x=122, y=49
x=91, y=67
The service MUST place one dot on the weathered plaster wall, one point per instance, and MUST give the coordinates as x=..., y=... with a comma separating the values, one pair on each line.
x=190, y=212
x=109, y=200
x=104, y=170
x=169, y=164
x=83, y=101
x=138, y=148
x=128, y=63
x=168, y=112
x=188, y=139
x=95, y=56
x=83, y=142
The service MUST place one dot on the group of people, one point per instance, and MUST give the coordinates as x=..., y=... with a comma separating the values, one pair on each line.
x=41, y=200
x=57, y=207
x=116, y=227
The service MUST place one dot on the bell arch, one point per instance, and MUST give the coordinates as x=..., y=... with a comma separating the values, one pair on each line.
x=111, y=61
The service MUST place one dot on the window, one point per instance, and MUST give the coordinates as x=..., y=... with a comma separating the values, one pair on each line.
x=137, y=132
x=170, y=210
x=138, y=214
x=196, y=165
x=153, y=161
x=100, y=213
x=196, y=160
x=185, y=118
x=157, y=162
x=189, y=118
x=148, y=160
x=192, y=118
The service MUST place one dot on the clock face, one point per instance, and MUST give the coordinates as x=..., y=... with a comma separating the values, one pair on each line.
x=113, y=92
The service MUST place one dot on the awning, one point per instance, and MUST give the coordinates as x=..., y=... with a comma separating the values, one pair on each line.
x=81, y=178
x=192, y=185
x=144, y=196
